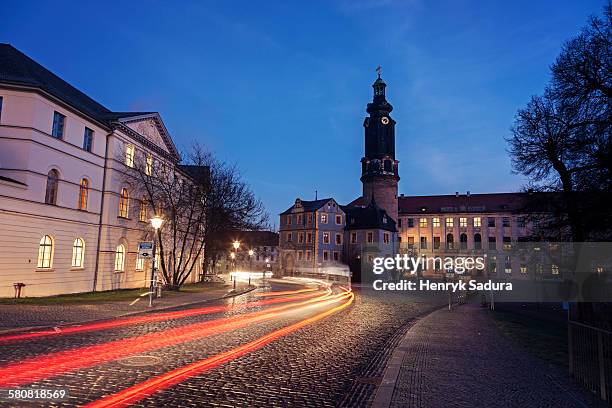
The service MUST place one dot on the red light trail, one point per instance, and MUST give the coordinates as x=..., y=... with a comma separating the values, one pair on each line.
x=40, y=367
x=146, y=388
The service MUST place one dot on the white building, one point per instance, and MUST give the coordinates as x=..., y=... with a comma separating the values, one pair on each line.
x=68, y=222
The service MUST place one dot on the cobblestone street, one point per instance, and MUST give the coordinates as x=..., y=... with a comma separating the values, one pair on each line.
x=338, y=360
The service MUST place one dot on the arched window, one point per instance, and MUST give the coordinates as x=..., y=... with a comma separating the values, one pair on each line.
x=477, y=241
x=120, y=258
x=450, y=244
x=78, y=252
x=45, y=252
x=124, y=199
x=52, y=182
x=142, y=213
x=463, y=241
x=83, y=191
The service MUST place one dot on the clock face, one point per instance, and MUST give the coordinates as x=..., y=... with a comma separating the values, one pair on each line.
x=384, y=120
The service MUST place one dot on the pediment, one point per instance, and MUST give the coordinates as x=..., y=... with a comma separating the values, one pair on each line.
x=151, y=127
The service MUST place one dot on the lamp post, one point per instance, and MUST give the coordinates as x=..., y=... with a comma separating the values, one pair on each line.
x=156, y=223
x=251, y=252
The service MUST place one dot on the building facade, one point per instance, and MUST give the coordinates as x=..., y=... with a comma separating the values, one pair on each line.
x=68, y=220
x=258, y=252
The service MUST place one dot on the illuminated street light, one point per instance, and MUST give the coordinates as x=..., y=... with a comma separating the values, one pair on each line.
x=236, y=245
x=156, y=223
x=251, y=252
x=233, y=255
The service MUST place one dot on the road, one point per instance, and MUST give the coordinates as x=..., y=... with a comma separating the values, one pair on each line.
x=279, y=345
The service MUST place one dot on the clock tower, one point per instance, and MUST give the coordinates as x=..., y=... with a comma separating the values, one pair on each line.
x=379, y=169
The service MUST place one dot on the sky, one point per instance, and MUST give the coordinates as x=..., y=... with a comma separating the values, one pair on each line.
x=280, y=88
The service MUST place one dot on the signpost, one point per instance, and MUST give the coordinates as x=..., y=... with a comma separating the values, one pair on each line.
x=146, y=250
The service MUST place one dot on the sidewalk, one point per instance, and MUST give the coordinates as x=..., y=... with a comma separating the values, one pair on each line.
x=458, y=358
x=20, y=317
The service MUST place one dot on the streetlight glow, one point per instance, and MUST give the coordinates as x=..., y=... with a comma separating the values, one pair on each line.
x=157, y=222
x=251, y=252
x=233, y=255
x=236, y=244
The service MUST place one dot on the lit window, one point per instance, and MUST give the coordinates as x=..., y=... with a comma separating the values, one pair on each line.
x=45, y=252
x=58, y=125
x=324, y=218
x=120, y=258
x=423, y=222
x=149, y=165
x=507, y=243
x=462, y=222
x=523, y=268
x=338, y=219
x=88, y=139
x=142, y=211
x=386, y=238
x=83, y=192
x=52, y=184
x=140, y=263
x=370, y=237
x=78, y=251
x=554, y=269
x=477, y=222
x=449, y=223
x=124, y=199
x=436, y=222
x=326, y=237
x=129, y=155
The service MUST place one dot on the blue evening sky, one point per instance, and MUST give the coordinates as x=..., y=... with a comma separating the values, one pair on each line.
x=280, y=88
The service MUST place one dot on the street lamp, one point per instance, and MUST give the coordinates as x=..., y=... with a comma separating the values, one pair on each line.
x=156, y=223
x=236, y=245
x=251, y=252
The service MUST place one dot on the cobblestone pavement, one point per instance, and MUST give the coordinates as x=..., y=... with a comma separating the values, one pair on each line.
x=19, y=316
x=336, y=361
x=460, y=359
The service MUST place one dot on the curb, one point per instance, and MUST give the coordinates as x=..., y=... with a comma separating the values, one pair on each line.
x=226, y=296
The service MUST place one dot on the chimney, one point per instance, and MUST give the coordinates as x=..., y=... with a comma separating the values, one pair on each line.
x=456, y=194
x=401, y=195
x=468, y=193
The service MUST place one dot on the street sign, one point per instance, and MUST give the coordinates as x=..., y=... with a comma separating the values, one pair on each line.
x=145, y=249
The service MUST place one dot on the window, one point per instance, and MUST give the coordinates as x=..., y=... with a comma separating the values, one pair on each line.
x=477, y=241
x=45, y=252
x=149, y=165
x=307, y=256
x=399, y=223
x=508, y=267
x=477, y=222
x=507, y=243
x=129, y=155
x=300, y=238
x=450, y=241
x=436, y=222
x=492, y=243
x=326, y=237
x=300, y=255
x=370, y=237
x=289, y=238
x=309, y=218
x=423, y=222
x=506, y=221
x=325, y=255
x=1, y=107
x=324, y=218
x=120, y=258
x=493, y=264
x=463, y=241
x=309, y=238
x=338, y=239
x=462, y=222
x=410, y=222
x=289, y=219
x=299, y=219
x=410, y=242
x=139, y=263
x=436, y=242
x=386, y=238
x=142, y=210
x=78, y=251
x=423, y=242
x=124, y=200
x=83, y=191
x=338, y=219
x=491, y=221
x=554, y=269
x=353, y=237
x=58, y=125
x=523, y=268
x=336, y=256
x=88, y=139
x=449, y=223
x=52, y=184
x=521, y=222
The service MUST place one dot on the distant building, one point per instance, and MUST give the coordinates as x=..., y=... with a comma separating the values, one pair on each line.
x=68, y=221
x=266, y=253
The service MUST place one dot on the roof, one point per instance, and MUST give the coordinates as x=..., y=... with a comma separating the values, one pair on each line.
x=12, y=180
x=18, y=69
x=257, y=238
x=481, y=203
x=369, y=217
x=308, y=206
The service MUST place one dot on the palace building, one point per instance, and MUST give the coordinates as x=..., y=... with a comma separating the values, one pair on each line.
x=383, y=223
x=68, y=221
